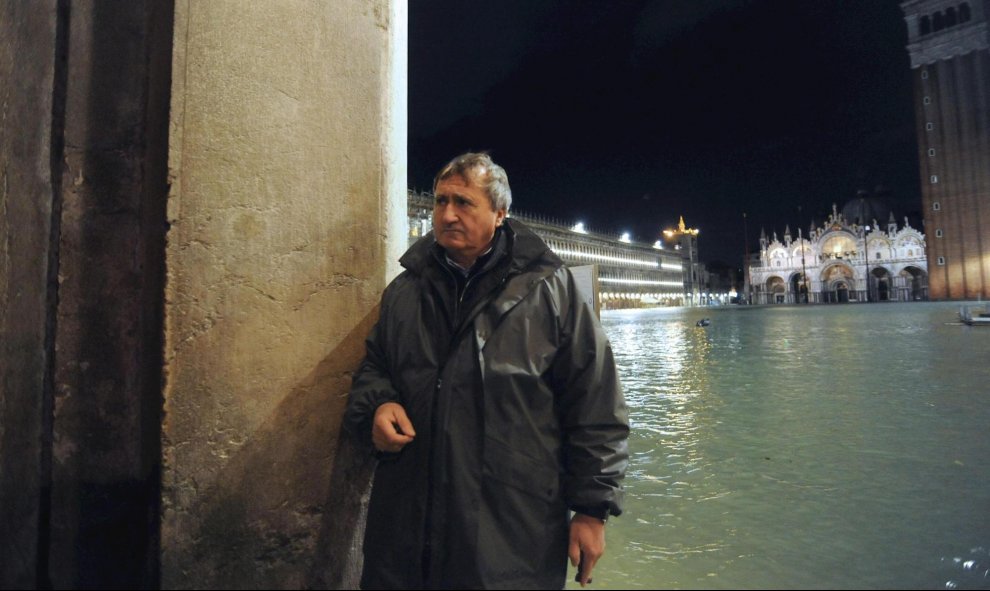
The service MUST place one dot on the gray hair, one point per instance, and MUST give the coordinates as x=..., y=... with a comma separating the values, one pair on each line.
x=480, y=170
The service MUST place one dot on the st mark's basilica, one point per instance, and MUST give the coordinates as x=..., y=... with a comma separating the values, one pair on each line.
x=860, y=253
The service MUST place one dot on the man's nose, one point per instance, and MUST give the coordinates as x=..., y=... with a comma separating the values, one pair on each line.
x=447, y=214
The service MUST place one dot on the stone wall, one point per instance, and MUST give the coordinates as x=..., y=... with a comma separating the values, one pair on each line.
x=27, y=55
x=82, y=171
x=106, y=410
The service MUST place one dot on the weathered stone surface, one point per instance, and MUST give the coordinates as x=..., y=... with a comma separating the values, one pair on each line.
x=287, y=213
x=27, y=53
x=287, y=151
x=108, y=333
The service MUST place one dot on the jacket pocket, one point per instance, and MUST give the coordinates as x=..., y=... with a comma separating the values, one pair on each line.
x=521, y=472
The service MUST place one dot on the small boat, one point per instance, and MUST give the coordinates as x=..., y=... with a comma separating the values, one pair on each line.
x=974, y=317
x=703, y=322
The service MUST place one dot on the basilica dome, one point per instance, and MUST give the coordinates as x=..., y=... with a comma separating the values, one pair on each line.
x=866, y=208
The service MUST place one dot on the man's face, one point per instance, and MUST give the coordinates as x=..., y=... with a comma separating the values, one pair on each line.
x=464, y=221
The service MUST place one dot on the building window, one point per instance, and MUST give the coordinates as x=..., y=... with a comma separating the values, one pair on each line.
x=924, y=74
x=931, y=152
x=940, y=261
x=934, y=179
x=936, y=206
x=938, y=22
x=950, y=16
x=927, y=100
x=964, y=14
x=925, y=26
x=938, y=233
x=929, y=126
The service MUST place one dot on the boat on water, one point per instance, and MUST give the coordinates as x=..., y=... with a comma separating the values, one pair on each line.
x=974, y=316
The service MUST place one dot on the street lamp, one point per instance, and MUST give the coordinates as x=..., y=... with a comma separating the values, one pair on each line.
x=747, y=288
x=866, y=253
x=804, y=270
x=866, y=244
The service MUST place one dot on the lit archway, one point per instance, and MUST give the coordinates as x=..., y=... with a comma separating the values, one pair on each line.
x=837, y=281
x=776, y=290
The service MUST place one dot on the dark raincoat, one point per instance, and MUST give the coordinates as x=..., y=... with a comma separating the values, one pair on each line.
x=511, y=387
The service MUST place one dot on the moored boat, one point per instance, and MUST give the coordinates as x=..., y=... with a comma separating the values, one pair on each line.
x=974, y=317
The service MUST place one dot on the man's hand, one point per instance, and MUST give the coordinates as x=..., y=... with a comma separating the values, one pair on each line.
x=587, y=544
x=391, y=429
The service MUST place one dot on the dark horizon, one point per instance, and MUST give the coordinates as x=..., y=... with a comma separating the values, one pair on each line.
x=628, y=115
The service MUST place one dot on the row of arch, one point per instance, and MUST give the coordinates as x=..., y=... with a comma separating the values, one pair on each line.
x=838, y=284
x=938, y=21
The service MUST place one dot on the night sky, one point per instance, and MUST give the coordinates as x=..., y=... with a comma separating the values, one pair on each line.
x=628, y=114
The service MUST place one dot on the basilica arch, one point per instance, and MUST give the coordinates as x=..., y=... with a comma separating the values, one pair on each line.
x=799, y=287
x=911, y=283
x=838, y=281
x=776, y=290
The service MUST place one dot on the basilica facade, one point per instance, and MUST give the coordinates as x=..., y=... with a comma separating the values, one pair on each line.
x=840, y=261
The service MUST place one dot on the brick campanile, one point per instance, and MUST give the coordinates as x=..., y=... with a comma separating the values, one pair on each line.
x=948, y=42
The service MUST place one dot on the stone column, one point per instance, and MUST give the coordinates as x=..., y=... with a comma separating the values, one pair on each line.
x=287, y=214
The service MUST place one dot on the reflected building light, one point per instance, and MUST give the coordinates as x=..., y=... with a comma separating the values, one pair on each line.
x=563, y=252
x=579, y=228
x=640, y=282
x=658, y=245
x=625, y=237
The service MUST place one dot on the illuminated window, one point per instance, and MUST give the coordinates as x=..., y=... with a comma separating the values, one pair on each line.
x=938, y=233
x=931, y=151
x=929, y=126
x=934, y=179
x=936, y=206
x=940, y=261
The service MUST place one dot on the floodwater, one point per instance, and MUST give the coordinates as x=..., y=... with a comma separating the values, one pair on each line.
x=811, y=447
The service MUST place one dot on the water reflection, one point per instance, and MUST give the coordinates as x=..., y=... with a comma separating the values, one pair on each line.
x=810, y=447
x=971, y=571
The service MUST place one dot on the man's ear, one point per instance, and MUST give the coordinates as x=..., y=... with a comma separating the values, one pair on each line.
x=500, y=217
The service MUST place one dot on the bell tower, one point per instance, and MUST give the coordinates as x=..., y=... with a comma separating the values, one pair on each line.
x=949, y=46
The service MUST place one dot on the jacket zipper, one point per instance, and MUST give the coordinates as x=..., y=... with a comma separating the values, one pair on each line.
x=428, y=549
x=435, y=421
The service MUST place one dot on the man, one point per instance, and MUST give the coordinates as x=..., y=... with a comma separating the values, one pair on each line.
x=491, y=395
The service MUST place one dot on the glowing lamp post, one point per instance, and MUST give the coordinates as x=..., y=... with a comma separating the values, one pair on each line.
x=866, y=255
x=866, y=244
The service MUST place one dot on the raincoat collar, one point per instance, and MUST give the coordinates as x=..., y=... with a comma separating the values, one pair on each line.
x=524, y=247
